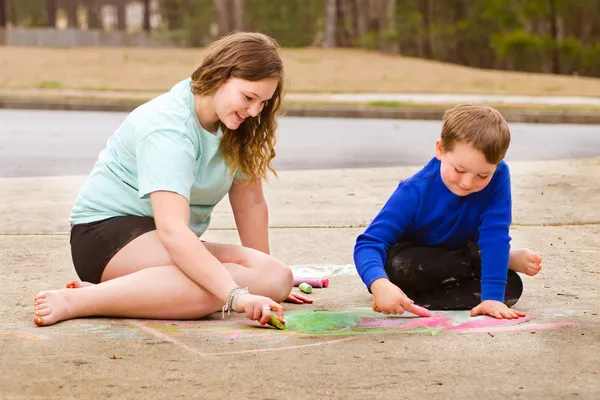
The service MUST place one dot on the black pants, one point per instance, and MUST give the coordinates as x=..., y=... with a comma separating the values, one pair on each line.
x=442, y=279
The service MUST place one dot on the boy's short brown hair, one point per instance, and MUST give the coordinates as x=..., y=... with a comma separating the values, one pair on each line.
x=481, y=126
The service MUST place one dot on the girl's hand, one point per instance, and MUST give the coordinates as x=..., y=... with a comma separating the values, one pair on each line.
x=298, y=299
x=258, y=308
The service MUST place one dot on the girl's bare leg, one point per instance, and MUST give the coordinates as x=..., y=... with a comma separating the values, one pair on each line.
x=141, y=282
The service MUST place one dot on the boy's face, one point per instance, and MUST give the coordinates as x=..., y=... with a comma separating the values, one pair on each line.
x=464, y=170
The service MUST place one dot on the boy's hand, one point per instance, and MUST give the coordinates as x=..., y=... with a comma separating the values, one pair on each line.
x=389, y=299
x=495, y=309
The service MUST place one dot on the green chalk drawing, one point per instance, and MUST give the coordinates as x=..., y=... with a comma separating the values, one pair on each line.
x=299, y=324
x=321, y=322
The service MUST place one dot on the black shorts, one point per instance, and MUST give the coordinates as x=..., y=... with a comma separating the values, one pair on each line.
x=94, y=244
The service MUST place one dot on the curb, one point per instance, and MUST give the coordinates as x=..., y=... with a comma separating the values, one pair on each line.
x=326, y=111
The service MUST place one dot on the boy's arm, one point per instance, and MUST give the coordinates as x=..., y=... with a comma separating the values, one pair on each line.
x=494, y=239
x=395, y=217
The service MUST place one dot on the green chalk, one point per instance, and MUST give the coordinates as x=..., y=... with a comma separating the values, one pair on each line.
x=274, y=321
x=305, y=287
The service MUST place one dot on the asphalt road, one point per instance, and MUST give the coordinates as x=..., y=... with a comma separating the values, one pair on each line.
x=47, y=143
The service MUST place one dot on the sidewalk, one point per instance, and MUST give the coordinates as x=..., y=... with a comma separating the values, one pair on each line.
x=335, y=348
x=543, y=109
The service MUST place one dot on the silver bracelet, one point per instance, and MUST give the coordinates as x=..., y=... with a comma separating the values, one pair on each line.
x=231, y=301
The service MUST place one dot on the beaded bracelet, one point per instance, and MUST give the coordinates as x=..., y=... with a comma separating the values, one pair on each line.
x=232, y=299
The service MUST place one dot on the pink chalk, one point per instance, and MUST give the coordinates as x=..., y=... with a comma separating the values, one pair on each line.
x=314, y=282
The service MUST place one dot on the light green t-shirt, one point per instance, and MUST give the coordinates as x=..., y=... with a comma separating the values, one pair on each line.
x=160, y=146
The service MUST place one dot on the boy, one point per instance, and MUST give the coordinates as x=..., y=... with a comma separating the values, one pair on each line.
x=442, y=239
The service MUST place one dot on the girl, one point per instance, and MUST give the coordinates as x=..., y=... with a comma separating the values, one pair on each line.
x=137, y=219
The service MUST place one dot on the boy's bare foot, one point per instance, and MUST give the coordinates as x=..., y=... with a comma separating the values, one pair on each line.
x=525, y=261
x=78, y=284
x=51, y=306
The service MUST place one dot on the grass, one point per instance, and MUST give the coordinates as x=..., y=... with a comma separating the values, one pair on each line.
x=307, y=70
x=499, y=106
x=48, y=85
x=126, y=99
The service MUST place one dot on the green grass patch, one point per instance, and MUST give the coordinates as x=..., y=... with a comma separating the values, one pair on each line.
x=48, y=85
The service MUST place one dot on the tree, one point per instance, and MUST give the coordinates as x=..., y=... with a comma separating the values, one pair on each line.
x=222, y=17
x=51, y=13
x=554, y=33
x=121, y=15
x=427, y=10
x=330, y=23
x=93, y=14
x=388, y=42
x=147, y=11
x=360, y=12
x=239, y=8
x=2, y=13
x=171, y=12
x=70, y=7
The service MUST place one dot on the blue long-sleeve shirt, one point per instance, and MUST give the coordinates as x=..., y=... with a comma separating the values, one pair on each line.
x=424, y=211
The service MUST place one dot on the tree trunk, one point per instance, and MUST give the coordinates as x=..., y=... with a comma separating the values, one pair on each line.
x=387, y=26
x=360, y=12
x=343, y=33
x=121, y=15
x=221, y=12
x=461, y=48
x=554, y=32
x=2, y=14
x=427, y=22
x=147, y=12
x=330, y=23
x=93, y=15
x=51, y=13
x=239, y=12
x=71, y=11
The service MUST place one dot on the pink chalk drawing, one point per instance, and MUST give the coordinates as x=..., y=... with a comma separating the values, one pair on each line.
x=361, y=321
x=299, y=324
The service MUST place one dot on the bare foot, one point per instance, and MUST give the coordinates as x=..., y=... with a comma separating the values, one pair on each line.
x=50, y=307
x=525, y=261
x=78, y=284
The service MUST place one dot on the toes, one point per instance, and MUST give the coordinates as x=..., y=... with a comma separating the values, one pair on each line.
x=41, y=306
x=40, y=302
x=77, y=284
x=43, y=312
x=40, y=296
x=533, y=257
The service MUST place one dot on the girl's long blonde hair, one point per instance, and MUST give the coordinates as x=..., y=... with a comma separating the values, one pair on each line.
x=253, y=57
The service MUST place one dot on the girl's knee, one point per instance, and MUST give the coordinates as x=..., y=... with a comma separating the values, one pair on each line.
x=282, y=280
x=278, y=279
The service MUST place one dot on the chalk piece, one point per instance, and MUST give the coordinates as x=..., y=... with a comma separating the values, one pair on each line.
x=274, y=321
x=305, y=287
x=314, y=282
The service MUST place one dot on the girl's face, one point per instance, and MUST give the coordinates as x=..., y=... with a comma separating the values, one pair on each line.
x=238, y=99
